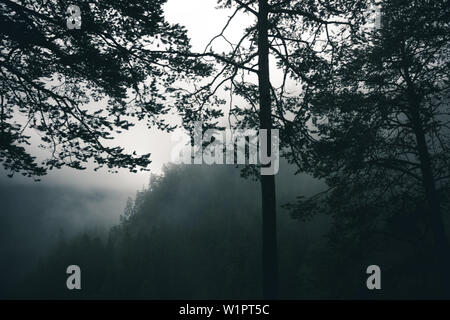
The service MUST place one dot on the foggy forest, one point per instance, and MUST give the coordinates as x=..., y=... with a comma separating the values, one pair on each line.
x=348, y=102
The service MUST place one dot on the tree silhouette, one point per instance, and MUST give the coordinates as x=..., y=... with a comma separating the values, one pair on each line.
x=77, y=87
x=290, y=32
x=379, y=113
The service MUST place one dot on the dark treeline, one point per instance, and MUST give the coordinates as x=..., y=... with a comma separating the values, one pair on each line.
x=194, y=233
x=35, y=217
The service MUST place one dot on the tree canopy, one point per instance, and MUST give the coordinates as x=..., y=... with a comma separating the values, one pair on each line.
x=379, y=129
x=77, y=87
x=369, y=105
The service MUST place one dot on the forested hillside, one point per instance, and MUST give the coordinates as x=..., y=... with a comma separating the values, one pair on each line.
x=194, y=233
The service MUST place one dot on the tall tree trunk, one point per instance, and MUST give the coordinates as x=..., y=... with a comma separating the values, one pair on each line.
x=440, y=241
x=269, y=218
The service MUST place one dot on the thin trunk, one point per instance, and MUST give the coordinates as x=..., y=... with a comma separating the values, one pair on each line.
x=269, y=221
x=440, y=241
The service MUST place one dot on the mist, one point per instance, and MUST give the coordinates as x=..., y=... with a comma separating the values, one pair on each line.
x=191, y=223
x=34, y=216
